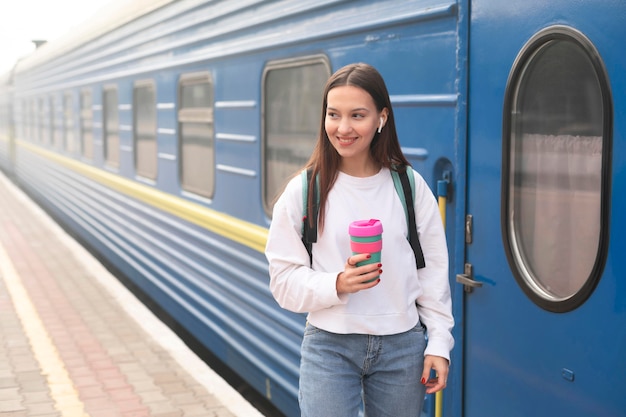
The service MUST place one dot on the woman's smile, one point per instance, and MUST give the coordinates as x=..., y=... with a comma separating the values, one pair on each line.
x=346, y=140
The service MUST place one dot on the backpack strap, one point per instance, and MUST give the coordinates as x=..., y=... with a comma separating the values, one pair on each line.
x=397, y=183
x=405, y=187
x=309, y=229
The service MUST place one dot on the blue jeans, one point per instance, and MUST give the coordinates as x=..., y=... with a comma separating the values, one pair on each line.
x=340, y=371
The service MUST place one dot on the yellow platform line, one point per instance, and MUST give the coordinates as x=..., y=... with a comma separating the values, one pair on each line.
x=62, y=390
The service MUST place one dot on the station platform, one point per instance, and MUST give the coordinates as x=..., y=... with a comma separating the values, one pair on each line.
x=75, y=342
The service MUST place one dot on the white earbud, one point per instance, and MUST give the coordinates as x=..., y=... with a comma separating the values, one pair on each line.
x=380, y=126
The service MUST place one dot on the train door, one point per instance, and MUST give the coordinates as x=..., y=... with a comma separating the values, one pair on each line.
x=544, y=321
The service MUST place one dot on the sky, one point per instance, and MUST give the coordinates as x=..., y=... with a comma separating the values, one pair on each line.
x=22, y=21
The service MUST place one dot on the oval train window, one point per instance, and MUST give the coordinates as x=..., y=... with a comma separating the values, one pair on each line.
x=556, y=164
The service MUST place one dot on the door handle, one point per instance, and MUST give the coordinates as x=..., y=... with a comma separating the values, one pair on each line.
x=467, y=279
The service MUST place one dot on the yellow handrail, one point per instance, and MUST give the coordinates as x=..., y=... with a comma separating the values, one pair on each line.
x=442, y=191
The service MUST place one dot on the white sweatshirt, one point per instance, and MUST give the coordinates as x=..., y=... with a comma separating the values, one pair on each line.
x=389, y=307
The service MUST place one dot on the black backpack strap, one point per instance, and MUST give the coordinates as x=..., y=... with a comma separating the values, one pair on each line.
x=309, y=228
x=413, y=237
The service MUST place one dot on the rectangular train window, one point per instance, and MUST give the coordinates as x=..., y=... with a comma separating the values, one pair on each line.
x=23, y=118
x=292, y=102
x=5, y=120
x=68, y=123
x=144, y=128
x=26, y=119
x=86, y=124
x=110, y=123
x=51, y=120
x=32, y=114
x=42, y=126
x=32, y=121
x=195, y=126
x=20, y=120
x=57, y=128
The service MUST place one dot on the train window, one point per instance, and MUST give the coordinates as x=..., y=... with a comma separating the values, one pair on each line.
x=110, y=123
x=32, y=121
x=195, y=127
x=51, y=121
x=68, y=122
x=557, y=141
x=57, y=131
x=25, y=120
x=20, y=118
x=292, y=91
x=32, y=117
x=42, y=118
x=4, y=121
x=86, y=123
x=144, y=128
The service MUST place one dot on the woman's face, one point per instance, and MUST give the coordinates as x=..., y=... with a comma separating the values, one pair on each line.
x=351, y=122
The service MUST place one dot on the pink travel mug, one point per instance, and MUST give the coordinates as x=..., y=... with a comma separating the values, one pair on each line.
x=366, y=237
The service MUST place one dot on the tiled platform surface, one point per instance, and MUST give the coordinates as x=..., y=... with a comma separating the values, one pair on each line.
x=75, y=342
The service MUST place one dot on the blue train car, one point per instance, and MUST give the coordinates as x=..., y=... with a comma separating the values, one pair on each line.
x=160, y=133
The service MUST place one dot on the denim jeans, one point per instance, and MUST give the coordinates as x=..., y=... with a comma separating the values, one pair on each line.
x=340, y=371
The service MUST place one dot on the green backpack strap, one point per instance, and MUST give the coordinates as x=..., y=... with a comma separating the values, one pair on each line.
x=304, y=175
x=309, y=229
x=398, y=184
x=404, y=182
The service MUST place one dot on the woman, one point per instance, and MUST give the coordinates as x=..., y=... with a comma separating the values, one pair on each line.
x=365, y=337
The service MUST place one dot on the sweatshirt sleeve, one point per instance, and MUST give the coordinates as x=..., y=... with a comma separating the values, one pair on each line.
x=434, y=303
x=293, y=283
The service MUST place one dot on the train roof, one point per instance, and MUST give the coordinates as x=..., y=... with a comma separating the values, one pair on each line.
x=109, y=17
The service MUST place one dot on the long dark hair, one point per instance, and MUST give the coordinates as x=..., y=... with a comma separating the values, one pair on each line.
x=385, y=147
